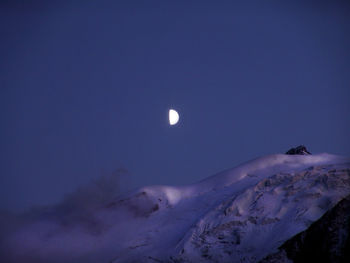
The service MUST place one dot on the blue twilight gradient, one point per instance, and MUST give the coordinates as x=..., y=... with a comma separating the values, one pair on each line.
x=86, y=87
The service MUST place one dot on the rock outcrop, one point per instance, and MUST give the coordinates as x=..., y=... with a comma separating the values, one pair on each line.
x=300, y=150
x=326, y=240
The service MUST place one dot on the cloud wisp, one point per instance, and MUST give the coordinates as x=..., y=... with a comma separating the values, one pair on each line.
x=87, y=226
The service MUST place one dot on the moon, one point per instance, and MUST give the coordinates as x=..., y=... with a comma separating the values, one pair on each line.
x=173, y=117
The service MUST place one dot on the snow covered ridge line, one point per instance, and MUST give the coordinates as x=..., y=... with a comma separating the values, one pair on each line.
x=259, y=219
x=238, y=212
x=240, y=215
x=262, y=166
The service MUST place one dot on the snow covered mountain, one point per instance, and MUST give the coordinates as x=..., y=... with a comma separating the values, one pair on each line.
x=240, y=215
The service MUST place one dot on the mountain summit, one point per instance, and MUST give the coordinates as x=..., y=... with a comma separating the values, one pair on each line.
x=244, y=214
x=301, y=150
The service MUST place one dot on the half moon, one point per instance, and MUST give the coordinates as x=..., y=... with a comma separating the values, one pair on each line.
x=173, y=117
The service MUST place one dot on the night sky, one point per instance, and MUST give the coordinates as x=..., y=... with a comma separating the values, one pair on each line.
x=85, y=89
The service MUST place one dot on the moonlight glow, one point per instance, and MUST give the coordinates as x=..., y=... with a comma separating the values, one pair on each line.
x=173, y=117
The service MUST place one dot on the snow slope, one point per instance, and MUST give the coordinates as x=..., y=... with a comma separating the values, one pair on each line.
x=239, y=215
x=326, y=240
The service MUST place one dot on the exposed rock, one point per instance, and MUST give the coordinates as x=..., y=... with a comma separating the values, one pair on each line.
x=326, y=240
x=279, y=257
x=300, y=150
x=236, y=230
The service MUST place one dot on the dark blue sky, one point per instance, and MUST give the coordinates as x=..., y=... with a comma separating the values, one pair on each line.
x=86, y=87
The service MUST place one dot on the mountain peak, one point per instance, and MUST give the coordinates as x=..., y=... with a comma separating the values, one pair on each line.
x=239, y=215
x=300, y=150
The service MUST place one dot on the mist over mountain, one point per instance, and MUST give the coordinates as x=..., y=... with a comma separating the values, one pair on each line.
x=253, y=212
